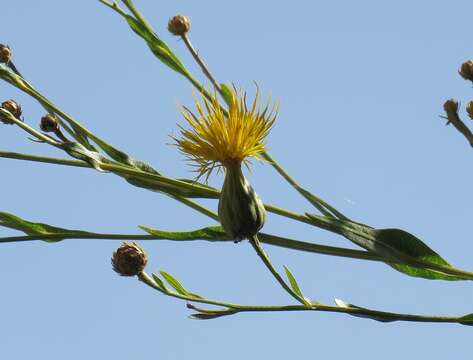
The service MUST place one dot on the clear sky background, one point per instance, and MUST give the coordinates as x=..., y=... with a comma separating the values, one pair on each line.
x=361, y=86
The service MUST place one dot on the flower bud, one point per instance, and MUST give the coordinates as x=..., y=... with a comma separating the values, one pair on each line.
x=240, y=210
x=49, y=123
x=469, y=109
x=466, y=70
x=5, y=54
x=450, y=106
x=179, y=25
x=14, y=108
x=129, y=259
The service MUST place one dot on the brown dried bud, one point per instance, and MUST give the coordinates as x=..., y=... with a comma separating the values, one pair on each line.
x=14, y=108
x=49, y=123
x=179, y=25
x=469, y=109
x=129, y=259
x=450, y=106
x=466, y=70
x=5, y=54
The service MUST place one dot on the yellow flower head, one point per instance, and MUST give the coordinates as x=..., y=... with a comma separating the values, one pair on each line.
x=218, y=139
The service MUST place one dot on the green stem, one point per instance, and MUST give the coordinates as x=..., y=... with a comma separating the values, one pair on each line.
x=41, y=137
x=141, y=19
x=114, y=6
x=201, y=63
x=43, y=159
x=325, y=208
x=267, y=262
x=264, y=238
x=349, y=309
x=145, y=278
x=332, y=225
x=136, y=13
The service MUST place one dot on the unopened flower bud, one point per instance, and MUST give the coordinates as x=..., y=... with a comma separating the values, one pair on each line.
x=129, y=259
x=5, y=54
x=14, y=108
x=240, y=210
x=466, y=70
x=450, y=106
x=49, y=123
x=179, y=25
x=469, y=109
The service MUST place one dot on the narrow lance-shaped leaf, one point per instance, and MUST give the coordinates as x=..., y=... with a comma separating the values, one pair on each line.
x=413, y=247
x=292, y=281
x=31, y=228
x=207, y=233
x=402, y=250
x=157, y=46
x=79, y=151
x=226, y=93
x=467, y=320
x=174, y=283
x=210, y=316
x=345, y=305
x=159, y=282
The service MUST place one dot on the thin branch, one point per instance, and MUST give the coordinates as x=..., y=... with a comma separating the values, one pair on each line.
x=267, y=262
x=201, y=63
x=40, y=136
x=231, y=308
x=451, y=109
x=43, y=159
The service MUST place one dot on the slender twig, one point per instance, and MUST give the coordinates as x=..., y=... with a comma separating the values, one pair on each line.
x=43, y=159
x=267, y=262
x=332, y=225
x=114, y=6
x=454, y=119
x=201, y=62
x=348, y=309
x=6, y=114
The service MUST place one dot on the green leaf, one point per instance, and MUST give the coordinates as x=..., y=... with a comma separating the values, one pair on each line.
x=210, y=316
x=159, y=282
x=196, y=296
x=408, y=245
x=157, y=46
x=467, y=320
x=141, y=165
x=31, y=228
x=174, y=283
x=293, y=282
x=80, y=152
x=227, y=93
x=113, y=152
x=199, y=191
x=412, y=256
x=207, y=233
x=345, y=305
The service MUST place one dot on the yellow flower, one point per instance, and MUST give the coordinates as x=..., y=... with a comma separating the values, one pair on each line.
x=217, y=138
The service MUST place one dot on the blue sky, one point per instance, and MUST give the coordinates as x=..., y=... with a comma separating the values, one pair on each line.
x=361, y=87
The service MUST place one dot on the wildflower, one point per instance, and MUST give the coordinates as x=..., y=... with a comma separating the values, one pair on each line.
x=129, y=259
x=219, y=140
